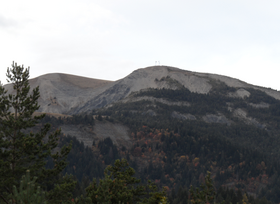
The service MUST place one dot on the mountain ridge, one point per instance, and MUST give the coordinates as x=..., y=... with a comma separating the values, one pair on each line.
x=173, y=125
x=70, y=94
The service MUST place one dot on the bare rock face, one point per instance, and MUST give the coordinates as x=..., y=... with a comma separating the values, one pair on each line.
x=249, y=120
x=231, y=82
x=211, y=118
x=157, y=77
x=181, y=116
x=61, y=93
x=69, y=94
x=88, y=134
x=117, y=132
x=240, y=93
x=260, y=105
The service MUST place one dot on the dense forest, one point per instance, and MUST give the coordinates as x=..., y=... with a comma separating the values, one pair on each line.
x=176, y=152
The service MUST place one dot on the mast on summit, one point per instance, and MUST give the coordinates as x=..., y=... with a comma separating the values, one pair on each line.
x=157, y=63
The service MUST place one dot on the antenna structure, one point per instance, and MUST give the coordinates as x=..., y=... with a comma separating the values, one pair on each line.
x=157, y=63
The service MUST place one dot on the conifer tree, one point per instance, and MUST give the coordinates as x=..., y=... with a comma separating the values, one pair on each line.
x=27, y=193
x=119, y=186
x=20, y=147
x=204, y=195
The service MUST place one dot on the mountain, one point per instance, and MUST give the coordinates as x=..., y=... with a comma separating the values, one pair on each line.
x=69, y=94
x=160, y=77
x=172, y=125
x=62, y=93
x=184, y=128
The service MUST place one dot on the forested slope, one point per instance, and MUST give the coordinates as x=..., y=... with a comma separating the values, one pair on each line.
x=177, y=136
x=175, y=144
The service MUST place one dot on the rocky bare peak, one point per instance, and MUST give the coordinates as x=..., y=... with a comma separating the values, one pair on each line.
x=69, y=94
x=60, y=93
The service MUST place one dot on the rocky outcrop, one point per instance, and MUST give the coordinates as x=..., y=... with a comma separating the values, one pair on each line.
x=118, y=133
x=211, y=118
x=159, y=77
x=148, y=78
x=87, y=134
x=63, y=93
x=241, y=114
x=260, y=105
x=181, y=116
x=240, y=93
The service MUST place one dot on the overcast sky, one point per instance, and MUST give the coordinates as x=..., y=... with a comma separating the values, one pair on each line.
x=109, y=39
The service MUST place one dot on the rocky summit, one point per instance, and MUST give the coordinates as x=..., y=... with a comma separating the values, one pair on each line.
x=69, y=94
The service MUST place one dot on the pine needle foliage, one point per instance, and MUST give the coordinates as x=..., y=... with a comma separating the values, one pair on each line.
x=119, y=186
x=27, y=192
x=20, y=148
x=206, y=193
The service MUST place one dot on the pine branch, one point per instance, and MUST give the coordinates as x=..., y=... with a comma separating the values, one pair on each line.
x=4, y=199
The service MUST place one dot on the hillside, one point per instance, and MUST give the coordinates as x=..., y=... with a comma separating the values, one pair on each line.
x=178, y=135
x=69, y=94
x=163, y=77
x=61, y=93
x=172, y=125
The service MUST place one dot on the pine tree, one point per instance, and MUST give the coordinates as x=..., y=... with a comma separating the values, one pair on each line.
x=27, y=192
x=206, y=193
x=20, y=148
x=119, y=186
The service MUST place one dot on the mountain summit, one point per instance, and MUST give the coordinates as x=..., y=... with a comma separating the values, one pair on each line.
x=69, y=94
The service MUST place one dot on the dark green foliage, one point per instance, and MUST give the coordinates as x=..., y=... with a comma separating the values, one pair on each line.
x=20, y=148
x=84, y=119
x=119, y=186
x=206, y=193
x=62, y=191
x=82, y=163
x=154, y=195
x=108, y=150
x=181, y=197
x=229, y=196
x=238, y=149
x=27, y=192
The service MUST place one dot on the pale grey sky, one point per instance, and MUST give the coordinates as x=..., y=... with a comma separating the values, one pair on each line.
x=109, y=39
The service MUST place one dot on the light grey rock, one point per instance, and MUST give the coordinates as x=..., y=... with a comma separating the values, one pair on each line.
x=240, y=93
x=63, y=93
x=181, y=116
x=241, y=114
x=68, y=94
x=260, y=105
x=211, y=118
x=101, y=130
